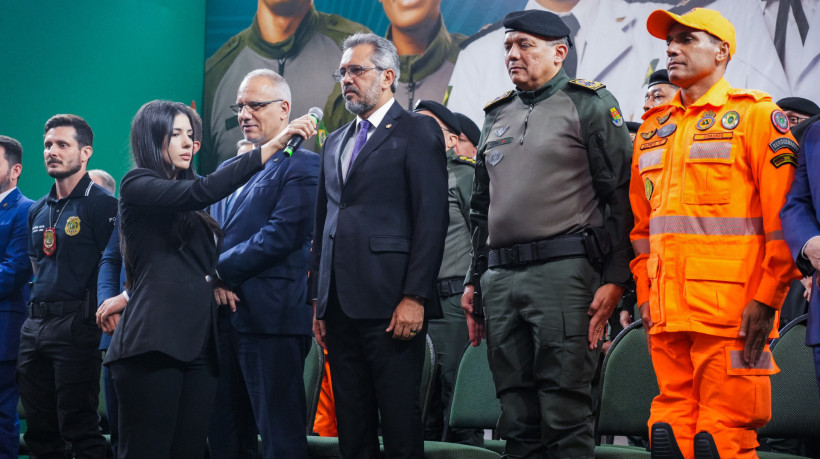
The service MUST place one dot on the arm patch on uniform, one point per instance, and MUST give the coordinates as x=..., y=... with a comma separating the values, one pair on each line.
x=784, y=158
x=589, y=84
x=498, y=142
x=783, y=142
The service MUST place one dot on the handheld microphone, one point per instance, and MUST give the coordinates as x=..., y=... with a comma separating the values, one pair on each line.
x=296, y=141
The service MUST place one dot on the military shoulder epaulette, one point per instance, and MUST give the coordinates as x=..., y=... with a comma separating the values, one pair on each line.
x=487, y=29
x=339, y=24
x=498, y=99
x=753, y=93
x=465, y=160
x=588, y=84
x=225, y=50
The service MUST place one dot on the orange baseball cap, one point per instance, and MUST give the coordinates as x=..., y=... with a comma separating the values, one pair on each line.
x=709, y=21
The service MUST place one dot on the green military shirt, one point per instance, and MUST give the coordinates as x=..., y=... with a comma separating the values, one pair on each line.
x=457, y=246
x=556, y=158
x=421, y=76
x=307, y=59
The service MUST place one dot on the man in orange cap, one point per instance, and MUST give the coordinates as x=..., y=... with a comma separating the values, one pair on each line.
x=710, y=172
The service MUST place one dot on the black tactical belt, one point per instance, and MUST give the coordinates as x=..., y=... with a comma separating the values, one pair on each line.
x=450, y=287
x=55, y=309
x=552, y=249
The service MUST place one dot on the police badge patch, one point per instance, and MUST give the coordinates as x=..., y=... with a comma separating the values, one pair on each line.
x=706, y=121
x=780, y=122
x=72, y=226
x=730, y=120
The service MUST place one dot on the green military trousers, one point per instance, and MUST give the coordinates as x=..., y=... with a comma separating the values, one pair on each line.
x=537, y=326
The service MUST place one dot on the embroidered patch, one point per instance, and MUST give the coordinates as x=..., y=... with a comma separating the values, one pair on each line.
x=784, y=142
x=648, y=145
x=498, y=142
x=494, y=157
x=617, y=119
x=664, y=118
x=784, y=158
x=500, y=131
x=713, y=136
x=648, y=135
x=780, y=122
x=72, y=226
x=649, y=188
x=706, y=121
x=666, y=131
x=730, y=120
x=490, y=103
x=465, y=159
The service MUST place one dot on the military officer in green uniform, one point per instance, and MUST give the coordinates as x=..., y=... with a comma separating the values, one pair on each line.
x=449, y=334
x=290, y=38
x=550, y=216
x=427, y=55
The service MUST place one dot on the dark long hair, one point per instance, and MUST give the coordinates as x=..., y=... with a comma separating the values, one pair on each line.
x=151, y=131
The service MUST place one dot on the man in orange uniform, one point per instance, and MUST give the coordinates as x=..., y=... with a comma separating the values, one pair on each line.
x=710, y=173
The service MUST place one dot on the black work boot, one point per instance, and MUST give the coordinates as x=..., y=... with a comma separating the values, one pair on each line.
x=662, y=442
x=705, y=447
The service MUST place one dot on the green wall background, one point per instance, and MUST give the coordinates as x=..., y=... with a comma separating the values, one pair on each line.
x=98, y=59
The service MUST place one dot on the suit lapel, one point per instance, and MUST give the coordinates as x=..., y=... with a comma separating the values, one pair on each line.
x=11, y=200
x=240, y=198
x=382, y=132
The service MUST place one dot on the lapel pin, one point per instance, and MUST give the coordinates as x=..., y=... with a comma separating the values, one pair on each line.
x=388, y=126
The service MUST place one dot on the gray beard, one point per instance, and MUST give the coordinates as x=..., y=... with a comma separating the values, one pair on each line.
x=367, y=100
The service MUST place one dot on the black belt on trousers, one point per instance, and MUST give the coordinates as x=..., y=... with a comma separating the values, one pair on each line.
x=540, y=251
x=55, y=309
x=450, y=286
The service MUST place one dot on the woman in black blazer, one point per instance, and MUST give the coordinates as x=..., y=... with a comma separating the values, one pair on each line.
x=163, y=355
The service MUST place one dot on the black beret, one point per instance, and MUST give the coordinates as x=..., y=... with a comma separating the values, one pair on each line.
x=633, y=126
x=443, y=113
x=659, y=77
x=469, y=128
x=799, y=105
x=537, y=22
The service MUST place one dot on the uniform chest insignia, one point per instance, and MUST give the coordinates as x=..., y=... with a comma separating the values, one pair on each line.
x=494, y=157
x=664, y=118
x=706, y=121
x=784, y=158
x=666, y=131
x=780, y=122
x=652, y=144
x=72, y=226
x=617, y=119
x=649, y=188
x=730, y=120
x=500, y=131
x=648, y=135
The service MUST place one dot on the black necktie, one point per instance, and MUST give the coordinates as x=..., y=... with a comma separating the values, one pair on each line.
x=782, y=23
x=571, y=61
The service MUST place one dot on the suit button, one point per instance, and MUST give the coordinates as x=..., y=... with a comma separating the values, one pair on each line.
x=208, y=278
x=343, y=205
x=331, y=237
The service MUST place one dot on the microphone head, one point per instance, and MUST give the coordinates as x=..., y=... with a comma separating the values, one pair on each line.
x=317, y=113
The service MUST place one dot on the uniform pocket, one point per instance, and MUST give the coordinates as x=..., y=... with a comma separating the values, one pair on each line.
x=752, y=386
x=577, y=361
x=715, y=289
x=653, y=270
x=650, y=165
x=708, y=173
x=389, y=244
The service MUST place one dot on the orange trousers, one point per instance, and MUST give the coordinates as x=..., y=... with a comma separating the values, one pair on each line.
x=325, y=422
x=704, y=386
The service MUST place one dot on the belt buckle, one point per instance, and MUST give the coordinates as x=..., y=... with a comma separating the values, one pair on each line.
x=509, y=255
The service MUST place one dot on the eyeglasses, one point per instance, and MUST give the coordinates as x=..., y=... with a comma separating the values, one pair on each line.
x=252, y=106
x=797, y=119
x=354, y=70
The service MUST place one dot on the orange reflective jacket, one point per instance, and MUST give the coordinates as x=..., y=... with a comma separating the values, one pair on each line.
x=707, y=185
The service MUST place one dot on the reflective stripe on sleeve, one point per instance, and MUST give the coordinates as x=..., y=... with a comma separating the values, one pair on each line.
x=641, y=246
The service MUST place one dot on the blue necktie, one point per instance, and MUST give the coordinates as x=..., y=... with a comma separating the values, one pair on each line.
x=361, y=138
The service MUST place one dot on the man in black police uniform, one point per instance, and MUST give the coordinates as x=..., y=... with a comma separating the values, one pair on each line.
x=58, y=370
x=553, y=156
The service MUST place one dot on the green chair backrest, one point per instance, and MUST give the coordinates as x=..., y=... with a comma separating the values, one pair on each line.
x=628, y=385
x=795, y=398
x=427, y=374
x=474, y=404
